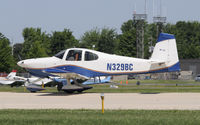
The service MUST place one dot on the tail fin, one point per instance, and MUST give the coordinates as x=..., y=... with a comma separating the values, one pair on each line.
x=166, y=51
x=12, y=74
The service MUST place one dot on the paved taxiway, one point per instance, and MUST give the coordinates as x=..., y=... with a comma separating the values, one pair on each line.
x=182, y=101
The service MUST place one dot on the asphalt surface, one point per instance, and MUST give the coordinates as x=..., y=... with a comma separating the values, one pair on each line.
x=163, y=101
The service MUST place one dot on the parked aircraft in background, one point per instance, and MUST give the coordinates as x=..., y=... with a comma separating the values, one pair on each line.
x=80, y=64
x=9, y=79
x=33, y=82
x=96, y=80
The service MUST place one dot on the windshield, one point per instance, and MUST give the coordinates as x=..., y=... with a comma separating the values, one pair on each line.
x=60, y=54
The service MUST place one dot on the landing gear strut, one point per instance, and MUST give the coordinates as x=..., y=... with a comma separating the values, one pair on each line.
x=59, y=87
x=70, y=88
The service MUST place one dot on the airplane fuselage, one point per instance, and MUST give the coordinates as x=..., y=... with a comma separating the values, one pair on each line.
x=103, y=65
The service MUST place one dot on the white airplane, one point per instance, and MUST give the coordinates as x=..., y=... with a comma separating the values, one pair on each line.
x=35, y=84
x=81, y=64
x=30, y=83
x=9, y=79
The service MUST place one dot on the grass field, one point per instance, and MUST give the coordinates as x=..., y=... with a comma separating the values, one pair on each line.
x=94, y=117
x=146, y=86
x=110, y=117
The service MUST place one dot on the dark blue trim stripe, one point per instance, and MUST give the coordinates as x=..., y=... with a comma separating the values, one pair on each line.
x=91, y=73
x=175, y=67
x=165, y=36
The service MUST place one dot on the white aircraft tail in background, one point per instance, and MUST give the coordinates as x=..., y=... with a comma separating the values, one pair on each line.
x=12, y=74
x=9, y=79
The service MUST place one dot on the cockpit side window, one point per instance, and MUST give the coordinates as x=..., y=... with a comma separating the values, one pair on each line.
x=74, y=55
x=60, y=54
x=90, y=56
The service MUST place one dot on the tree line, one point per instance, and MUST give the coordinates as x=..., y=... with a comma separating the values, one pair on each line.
x=41, y=44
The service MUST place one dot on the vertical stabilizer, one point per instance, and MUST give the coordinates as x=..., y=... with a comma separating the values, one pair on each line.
x=12, y=74
x=166, y=51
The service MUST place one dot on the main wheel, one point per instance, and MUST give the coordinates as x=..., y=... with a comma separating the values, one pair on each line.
x=80, y=91
x=59, y=87
x=69, y=91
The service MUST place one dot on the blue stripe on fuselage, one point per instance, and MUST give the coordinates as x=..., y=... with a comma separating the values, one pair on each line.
x=91, y=73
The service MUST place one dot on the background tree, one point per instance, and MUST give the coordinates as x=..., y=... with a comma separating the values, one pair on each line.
x=37, y=50
x=187, y=37
x=32, y=35
x=127, y=40
x=105, y=40
x=6, y=58
x=108, y=41
x=17, y=49
x=62, y=40
x=90, y=38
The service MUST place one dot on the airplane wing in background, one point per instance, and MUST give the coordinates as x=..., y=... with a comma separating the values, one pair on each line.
x=6, y=82
x=96, y=80
x=36, y=84
x=39, y=81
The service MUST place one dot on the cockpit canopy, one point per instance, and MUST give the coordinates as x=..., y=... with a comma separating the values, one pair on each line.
x=77, y=55
x=74, y=55
x=89, y=56
x=60, y=54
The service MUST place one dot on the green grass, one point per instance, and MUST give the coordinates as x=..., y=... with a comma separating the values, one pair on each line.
x=146, y=86
x=159, y=81
x=94, y=117
x=145, y=89
x=150, y=86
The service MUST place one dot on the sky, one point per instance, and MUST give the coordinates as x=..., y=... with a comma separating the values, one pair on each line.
x=83, y=15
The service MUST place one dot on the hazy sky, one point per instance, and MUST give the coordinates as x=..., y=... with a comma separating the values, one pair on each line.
x=83, y=15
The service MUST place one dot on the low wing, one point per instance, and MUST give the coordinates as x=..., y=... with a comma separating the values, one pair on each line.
x=42, y=81
x=6, y=82
x=38, y=81
x=19, y=79
x=71, y=76
x=64, y=74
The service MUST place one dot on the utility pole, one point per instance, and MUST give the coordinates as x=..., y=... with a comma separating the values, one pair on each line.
x=159, y=20
x=139, y=21
x=12, y=47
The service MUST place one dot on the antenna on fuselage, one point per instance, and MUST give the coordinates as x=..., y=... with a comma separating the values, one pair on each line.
x=93, y=46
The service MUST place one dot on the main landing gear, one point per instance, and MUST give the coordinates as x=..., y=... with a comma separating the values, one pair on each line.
x=72, y=87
